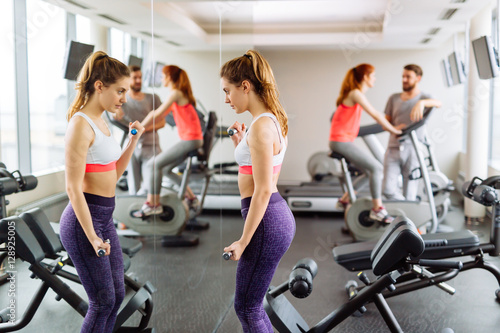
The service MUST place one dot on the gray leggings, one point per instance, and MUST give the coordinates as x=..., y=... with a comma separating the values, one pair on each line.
x=166, y=161
x=366, y=162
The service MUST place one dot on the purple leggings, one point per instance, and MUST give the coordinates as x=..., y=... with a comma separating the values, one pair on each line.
x=259, y=261
x=102, y=277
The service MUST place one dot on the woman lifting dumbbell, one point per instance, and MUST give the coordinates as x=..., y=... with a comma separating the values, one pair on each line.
x=249, y=85
x=94, y=163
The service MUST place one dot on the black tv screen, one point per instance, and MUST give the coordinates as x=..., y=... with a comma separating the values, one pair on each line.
x=457, y=68
x=134, y=61
x=486, y=58
x=75, y=57
x=445, y=68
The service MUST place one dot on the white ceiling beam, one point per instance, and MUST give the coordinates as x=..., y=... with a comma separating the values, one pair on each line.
x=175, y=14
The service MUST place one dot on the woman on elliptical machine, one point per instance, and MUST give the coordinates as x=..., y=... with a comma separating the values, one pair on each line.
x=181, y=103
x=345, y=127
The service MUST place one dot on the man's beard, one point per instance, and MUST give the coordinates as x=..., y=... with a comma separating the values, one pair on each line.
x=408, y=87
x=136, y=88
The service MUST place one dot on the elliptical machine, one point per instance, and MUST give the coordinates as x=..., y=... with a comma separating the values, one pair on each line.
x=422, y=213
x=175, y=214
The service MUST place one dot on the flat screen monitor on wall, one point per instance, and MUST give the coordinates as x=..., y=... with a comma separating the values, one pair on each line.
x=134, y=61
x=154, y=75
x=486, y=58
x=446, y=71
x=75, y=57
x=457, y=68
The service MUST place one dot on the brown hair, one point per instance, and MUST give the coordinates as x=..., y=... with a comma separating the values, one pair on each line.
x=353, y=79
x=180, y=81
x=98, y=67
x=134, y=68
x=415, y=68
x=253, y=67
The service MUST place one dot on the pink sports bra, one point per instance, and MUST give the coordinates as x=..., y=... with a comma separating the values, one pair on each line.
x=242, y=151
x=104, y=152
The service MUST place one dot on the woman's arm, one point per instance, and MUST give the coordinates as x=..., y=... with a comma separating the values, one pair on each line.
x=163, y=110
x=79, y=137
x=121, y=164
x=261, y=149
x=360, y=98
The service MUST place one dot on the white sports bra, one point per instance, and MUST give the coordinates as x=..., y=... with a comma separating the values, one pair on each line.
x=104, y=152
x=242, y=151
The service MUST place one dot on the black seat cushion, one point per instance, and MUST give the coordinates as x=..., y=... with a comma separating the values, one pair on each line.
x=400, y=241
x=334, y=154
x=26, y=245
x=40, y=226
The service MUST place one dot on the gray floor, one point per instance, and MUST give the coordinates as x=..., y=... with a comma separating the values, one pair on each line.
x=196, y=286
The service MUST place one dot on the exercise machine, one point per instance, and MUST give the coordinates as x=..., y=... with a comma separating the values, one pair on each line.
x=171, y=223
x=356, y=256
x=396, y=252
x=13, y=182
x=28, y=249
x=422, y=213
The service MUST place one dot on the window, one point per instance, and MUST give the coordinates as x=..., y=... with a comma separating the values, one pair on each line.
x=8, y=120
x=47, y=87
x=119, y=44
x=83, y=29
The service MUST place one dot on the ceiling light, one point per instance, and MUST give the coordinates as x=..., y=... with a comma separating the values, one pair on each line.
x=449, y=13
x=148, y=34
x=425, y=41
x=434, y=31
x=172, y=43
x=107, y=17
x=74, y=3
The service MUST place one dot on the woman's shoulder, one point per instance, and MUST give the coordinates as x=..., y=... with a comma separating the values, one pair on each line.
x=80, y=126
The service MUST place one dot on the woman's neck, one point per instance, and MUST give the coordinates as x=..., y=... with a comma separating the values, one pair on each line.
x=93, y=109
x=364, y=87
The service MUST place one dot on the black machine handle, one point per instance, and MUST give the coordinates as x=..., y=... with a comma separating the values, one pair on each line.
x=441, y=263
x=412, y=127
x=370, y=129
x=482, y=191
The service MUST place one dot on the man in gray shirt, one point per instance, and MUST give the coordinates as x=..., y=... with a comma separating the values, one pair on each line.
x=137, y=107
x=400, y=158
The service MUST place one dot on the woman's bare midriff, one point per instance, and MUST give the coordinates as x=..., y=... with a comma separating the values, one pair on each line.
x=100, y=183
x=246, y=184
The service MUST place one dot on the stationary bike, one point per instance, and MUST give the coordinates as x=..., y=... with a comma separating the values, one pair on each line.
x=422, y=213
x=175, y=214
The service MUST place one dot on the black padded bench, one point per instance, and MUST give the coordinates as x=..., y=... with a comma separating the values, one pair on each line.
x=356, y=256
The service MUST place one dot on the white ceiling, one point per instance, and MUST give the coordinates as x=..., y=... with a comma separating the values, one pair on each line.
x=306, y=24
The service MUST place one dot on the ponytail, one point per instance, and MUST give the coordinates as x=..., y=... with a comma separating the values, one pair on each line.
x=253, y=67
x=98, y=67
x=353, y=79
x=180, y=81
